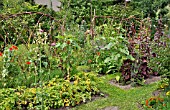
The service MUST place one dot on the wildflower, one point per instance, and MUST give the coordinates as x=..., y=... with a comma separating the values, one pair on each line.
x=32, y=90
x=147, y=103
x=168, y=93
x=75, y=82
x=98, y=53
x=40, y=30
x=151, y=99
x=66, y=101
x=68, y=42
x=89, y=61
x=53, y=44
x=14, y=47
x=160, y=99
x=28, y=63
x=11, y=49
x=164, y=104
x=164, y=85
x=1, y=54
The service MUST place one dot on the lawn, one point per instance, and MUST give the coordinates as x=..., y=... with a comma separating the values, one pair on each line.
x=124, y=99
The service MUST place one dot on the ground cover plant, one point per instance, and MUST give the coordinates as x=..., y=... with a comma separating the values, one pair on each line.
x=50, y=60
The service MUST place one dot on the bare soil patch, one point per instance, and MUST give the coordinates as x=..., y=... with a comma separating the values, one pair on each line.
x=140, y=106
x=152, y=79
x=110, y=108
x=149, y=80
x=156, y=93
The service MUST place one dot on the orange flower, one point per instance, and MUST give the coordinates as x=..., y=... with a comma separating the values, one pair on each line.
x=151, y=99
x=147, y=103
x=68, y=42
x=160, y=99
x=98, y=53
x=1, y=54
x=15, y=47
x=89, y=61
x=28, y=63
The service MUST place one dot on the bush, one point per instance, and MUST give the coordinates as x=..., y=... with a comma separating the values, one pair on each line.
x=161, y=54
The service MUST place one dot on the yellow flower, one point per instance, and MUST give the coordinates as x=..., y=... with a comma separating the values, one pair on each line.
x=163, y=86
x=88, y=81
x=168, y=93
x=76, y=82
x=67, y=102
x=18, y=93
x=24, y=102
x=32, y=90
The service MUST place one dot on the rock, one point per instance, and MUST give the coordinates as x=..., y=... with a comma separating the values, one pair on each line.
x=55, y=3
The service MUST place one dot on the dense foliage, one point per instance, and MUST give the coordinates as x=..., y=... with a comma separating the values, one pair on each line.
x=151, y=7
x=51, y=59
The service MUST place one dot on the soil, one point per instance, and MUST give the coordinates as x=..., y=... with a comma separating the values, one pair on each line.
x=149, y=80
x=110, y=108
x=125, y=87
x=156, y=92
x=152, y=79
x=140, y=106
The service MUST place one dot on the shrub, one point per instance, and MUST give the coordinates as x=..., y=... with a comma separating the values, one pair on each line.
x=55, y=93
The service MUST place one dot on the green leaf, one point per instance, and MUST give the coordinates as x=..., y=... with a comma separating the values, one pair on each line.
x=124, y=51
x=63, y=45
x=57, y=45
x=108, y=46
x=117, y=78
x=131, y=58
x=108, y=59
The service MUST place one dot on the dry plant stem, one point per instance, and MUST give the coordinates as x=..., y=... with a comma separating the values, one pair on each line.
x=6, y=17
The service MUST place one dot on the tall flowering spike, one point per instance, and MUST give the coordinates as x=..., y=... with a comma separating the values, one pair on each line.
x=28, y=62
x=1, y=54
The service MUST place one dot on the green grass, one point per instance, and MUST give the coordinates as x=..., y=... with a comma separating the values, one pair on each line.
x=124, y=99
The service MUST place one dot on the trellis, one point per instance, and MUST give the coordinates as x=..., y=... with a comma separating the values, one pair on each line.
x=54, y=25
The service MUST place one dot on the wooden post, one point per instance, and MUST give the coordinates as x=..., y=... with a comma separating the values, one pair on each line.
x=91, y=19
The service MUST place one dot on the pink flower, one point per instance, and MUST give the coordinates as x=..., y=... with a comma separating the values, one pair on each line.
x=53, y=44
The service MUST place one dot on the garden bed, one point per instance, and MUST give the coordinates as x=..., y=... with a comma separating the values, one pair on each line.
x=150, y=80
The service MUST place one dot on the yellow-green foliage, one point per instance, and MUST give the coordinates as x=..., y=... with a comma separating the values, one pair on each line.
x=53, y=94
